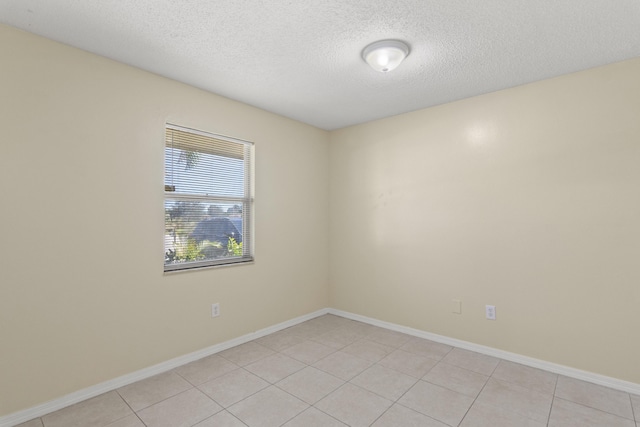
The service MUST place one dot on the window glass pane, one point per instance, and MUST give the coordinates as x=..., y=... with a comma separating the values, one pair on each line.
x=201, y=231
x=207, y=199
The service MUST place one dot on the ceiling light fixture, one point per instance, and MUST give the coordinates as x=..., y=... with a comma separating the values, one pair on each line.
x=385, y=55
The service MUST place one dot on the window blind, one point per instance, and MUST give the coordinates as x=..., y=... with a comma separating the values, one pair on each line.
x=208, y=199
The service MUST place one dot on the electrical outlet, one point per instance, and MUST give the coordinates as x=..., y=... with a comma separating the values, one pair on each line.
x=491, y=312
x=215, y=310
x=456, y=306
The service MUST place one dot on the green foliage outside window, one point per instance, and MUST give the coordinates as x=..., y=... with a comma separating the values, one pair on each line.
x=193, y=251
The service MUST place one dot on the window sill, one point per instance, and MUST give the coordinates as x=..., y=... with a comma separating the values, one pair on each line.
x=208, y=267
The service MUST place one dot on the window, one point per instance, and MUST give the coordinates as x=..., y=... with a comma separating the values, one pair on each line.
x=207, y=199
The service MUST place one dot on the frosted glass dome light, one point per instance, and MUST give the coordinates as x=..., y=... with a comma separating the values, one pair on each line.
x=385, y=55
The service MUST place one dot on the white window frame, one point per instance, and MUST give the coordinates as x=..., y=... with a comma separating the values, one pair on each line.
x=246, y=202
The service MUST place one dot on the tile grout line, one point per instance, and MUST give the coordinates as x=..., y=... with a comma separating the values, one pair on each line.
x=225, y=408
x=598, y=409
x=382, y=414
x=336, y=350
x=595, y=409
x=396, y=348
x=476, y=398
x=328, y=415
x=515, y=384
x=308, y=406
x=134, y=412
x=270, y=384
x=553, y=399
x=155, y=403
x=313, y=367
x=481, y=390
x=397, y=401
x=509, y=381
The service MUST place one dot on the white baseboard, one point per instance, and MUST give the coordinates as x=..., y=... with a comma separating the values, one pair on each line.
x=603, y=380
x=87, y=393
x=98, y=389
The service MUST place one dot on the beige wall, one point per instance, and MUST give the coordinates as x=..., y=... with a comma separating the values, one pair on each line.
x=83, y=298
x=527, y=199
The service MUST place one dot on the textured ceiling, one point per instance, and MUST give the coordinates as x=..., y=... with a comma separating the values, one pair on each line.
x=301, y=59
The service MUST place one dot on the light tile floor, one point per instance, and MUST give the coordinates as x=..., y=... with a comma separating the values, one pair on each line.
x=335, y=372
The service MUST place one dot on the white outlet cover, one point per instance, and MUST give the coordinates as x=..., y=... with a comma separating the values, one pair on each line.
x=491, y=312
x=215, y=310
x=456, y=306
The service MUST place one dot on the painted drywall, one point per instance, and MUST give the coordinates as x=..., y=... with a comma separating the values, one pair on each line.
x=526, y=199
x=83, y=297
